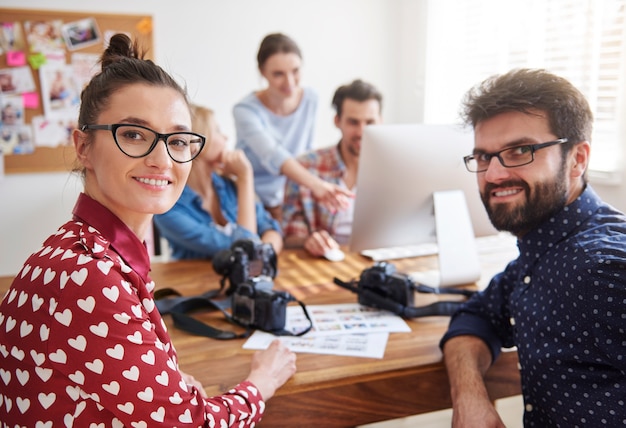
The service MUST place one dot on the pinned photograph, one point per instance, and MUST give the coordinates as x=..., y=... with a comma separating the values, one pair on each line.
x=16, y=80
x=59, y=93
x=85, y=66
x=11, y=110
x=11, y=38
x=80, y=34
x=52, y=132
x=43, y=36
x=16, y=140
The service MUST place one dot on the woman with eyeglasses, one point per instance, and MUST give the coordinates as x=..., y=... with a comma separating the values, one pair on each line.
x=276, y=123
x=81, y=342
x=218, y=204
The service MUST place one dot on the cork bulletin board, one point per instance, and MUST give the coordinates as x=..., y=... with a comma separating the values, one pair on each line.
x=38, y=50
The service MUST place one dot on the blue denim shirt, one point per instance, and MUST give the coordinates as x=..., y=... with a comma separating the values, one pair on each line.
x=191, y=231
x=562, y=302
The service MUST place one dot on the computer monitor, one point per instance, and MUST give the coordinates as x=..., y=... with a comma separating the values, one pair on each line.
x=400, y=168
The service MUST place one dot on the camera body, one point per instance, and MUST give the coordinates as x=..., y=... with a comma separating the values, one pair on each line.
x=255, y=304
x=244, y=260
x=383, y=280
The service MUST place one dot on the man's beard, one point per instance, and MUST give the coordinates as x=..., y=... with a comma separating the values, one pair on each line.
x=545, y=200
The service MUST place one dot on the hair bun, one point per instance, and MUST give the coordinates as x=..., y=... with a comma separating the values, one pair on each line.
x=120, y=47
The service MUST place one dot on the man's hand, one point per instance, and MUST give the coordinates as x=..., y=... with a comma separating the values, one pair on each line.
x=467, y=359
x=319, y=242
x=475, y=412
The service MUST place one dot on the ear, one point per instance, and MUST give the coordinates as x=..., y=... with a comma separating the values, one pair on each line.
x=337, y=121
x=579, y=158
x=81, y=146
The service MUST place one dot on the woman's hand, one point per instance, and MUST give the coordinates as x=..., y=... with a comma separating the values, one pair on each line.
x=331, y=196
x=191, y=381
x=271, y=368
x=235, y=163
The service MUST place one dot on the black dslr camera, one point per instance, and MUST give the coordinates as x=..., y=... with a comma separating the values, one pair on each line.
x=381, y=287
x=256, y=305
x=383, y=280
x=244, y=260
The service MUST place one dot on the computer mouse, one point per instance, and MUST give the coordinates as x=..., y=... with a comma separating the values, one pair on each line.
x=334, y=255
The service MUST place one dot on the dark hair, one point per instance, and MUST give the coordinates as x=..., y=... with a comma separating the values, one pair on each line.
x=122, y=64
x=276, y=43
x=359, y=91
x=530, y=91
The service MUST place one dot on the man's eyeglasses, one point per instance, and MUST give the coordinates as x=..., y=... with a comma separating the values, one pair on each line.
x=137, y=141
x=509, y=158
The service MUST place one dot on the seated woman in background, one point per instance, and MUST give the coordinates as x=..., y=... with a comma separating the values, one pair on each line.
x=82, y=343
x=214, y=210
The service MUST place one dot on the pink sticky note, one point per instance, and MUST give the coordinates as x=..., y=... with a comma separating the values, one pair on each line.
x=31, y=100
x=16, y=58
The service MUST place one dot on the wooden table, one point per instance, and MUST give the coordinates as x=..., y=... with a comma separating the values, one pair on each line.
x=329, y=391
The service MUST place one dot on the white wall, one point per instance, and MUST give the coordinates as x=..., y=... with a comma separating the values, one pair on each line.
x=340, y=39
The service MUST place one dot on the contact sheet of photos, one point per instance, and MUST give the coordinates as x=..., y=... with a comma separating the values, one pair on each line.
x=44, y=64
x=342, y=329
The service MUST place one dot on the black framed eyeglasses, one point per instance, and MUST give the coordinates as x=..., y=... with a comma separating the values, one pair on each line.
x=137, y=141
x=509, y=158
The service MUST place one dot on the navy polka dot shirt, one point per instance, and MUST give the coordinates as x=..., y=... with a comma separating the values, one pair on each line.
x=563, y=304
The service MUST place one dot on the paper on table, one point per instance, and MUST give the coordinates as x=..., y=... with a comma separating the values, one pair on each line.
x=343, y=329
x=368, y=345
x=345, y=318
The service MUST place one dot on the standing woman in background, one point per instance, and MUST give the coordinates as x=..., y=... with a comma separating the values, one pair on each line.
x=218, y=205
x=277, y=123
x=81, y=341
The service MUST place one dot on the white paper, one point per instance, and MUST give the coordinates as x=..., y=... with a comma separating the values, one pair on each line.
x=348, y=318
x=367, y=345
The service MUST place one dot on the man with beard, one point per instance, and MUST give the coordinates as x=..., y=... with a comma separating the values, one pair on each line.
x=306, y=222
x=561, y=302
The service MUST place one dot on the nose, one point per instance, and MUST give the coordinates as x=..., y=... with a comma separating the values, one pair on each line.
x=496, y=171
x=159, y=156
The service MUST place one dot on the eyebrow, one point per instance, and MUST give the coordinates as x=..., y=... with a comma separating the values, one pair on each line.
x=137, y=121
x=524, y=141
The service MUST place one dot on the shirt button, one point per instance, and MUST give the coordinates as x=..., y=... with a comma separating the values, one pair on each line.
x=527, y=280
x=529, y=407
x=512, y=321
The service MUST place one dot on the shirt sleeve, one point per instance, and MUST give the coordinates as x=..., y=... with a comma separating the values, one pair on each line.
x=295, y=222
x=120, y=356
x=205, y=238
x=486, y=316
x=265, y=221
x=254, y=136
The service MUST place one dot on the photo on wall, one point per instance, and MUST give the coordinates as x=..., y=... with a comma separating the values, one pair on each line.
x=59, y=92
x=11, y=37
x=15, y=136
x=16, y=80
x=43, y=36
x=80, y=34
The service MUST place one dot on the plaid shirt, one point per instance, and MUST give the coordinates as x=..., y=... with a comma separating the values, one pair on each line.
x=301, y=213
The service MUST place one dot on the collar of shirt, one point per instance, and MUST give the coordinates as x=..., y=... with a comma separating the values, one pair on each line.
x=560, y=226
x=121, y=238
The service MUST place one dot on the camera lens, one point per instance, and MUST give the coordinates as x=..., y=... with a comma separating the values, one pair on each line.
x=222, y=262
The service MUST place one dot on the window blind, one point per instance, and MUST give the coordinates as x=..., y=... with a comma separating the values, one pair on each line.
x=581, y=40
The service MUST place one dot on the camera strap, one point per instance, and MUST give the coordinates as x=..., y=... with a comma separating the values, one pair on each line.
x=381, y=302
x=169, y=301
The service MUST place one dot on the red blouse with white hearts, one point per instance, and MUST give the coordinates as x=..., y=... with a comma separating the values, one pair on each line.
x=82, y=342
